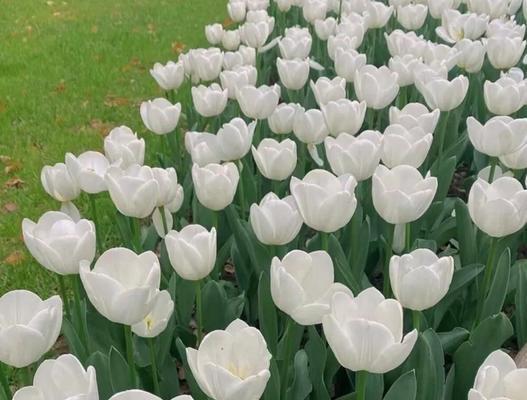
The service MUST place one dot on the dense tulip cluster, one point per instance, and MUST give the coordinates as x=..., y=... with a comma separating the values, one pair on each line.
x=337, y=210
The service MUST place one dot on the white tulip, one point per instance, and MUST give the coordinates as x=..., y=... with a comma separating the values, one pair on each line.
x=472, y=55
x=440, y=55
x=456, y=26
x=405, y=146
x=231, y=39
x=341, y=41
x=313, y=10
x=122, y=145
x=310, y=126
x=401, y=43
x=255, y=34
x=258, y=102
x=203, y=148
x=235, y=139
x=59, y=183
x=136, y=394
x=412, y=16
x=437, y=7
x=206, y=63
x=377, y=14
x=444, y=94
x=347, y=62
x=160, y=116
x=209, y=101
x=505, y=96
x=296, y=43
x=160, y=222
x=404, y=67
x=498, y=136
x=505, y=28
x=238, y=77
x=88, y=170
x=413, y=115
x=169, y=76
x=214, y=33
x=237, y=10
x=326, y=90
x=504, y=52
x=344, y=116
x=293, y=73
x=157, y=319
x=215, y=185
x=275, y=160
x=282, y=119
x=167, y=185
x=376, y=86
x=516, y=160
x=493, y=8
x=324, y=28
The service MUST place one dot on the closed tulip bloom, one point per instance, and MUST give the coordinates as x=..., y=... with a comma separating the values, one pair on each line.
x=157, y=319
x=377, y=14
x=255, y=34
x=122, y=145
x=122, y=285
x=209, y=101
x=499, y=378
x=314, y=9
x=376, y=86
x=324, y=28
x=160, y=116
x=443, y=94
x=169, y=76
x=237, y=10
x=437, y=7
x=231, y=40
x=238, y=77
x=235, y=139
x=366, y=332
x=456, y=26
x=302, y=285
x=341, y=41
x=402, y=195
x=49, y=384
x=503, y=27
x=58, y=183
x=326, y=202
x=275, y=221
x=284, y=5
x=296, y=43
x=472, y=55
x=358, y=156
x=134, y=191
x=167, y=185
x=29, y=327
x=405, y=146
x=505, y=96
x=58, y=242
x=293, y=73
x=88, y=170
x=404, y=67
x=275, y=160
x=192, y=251
x=231, y=364
x=493, y=8
x=282, y=119
x=516, y=160
x=420, y=279
x=401, y=43
x=415, y=114
x=326, y=90
x=214, y=33
x=136, y=394
x=347, y=62
x=505, y=52
x=344, y=116
x=258, y=102
x=310, y=126
x=203, y=148
x=412, y=16
x=354, y=27
x=215, y=185
x=498, y=136
x=498, y=208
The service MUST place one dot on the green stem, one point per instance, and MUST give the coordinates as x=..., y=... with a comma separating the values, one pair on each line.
x=80, y=315
x=4, y=382
x=27, y=379
x=286, y=366
x=386, y=289
x=63, y=294
x=215, y=217
x=93, y=210
x=340, y=12
x=487, y=278
x=241, y=190
x=164, y=219
x=136, y=234
x=493, y=165
x=416, y=319
x=408, y=237
x=199, y=314
x=324, y=241
x=130, y=353
x=361, y=378
x=153, y=363
x=442, y=133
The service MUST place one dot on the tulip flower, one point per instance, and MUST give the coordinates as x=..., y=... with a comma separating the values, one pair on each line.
x=326, y=90
x=499, y=378
x=231, y=40
x=293, y=73
x=209, y=101
x=136, y=394
x=160, y=116
x=376, y=86
x=498, y=208
x=377, y=14
x=237, y=10
x=59, y=184
x=505, y=96
x=344, y=116
x=58, y=242
x=493, y=8
x=203, y=148
x=366, y=333
x=440, y=55
x=235, y=139
x=29, y=326
x=88, y=170
x=310, y=126
x=341, y=42
x=296, y=43
x=282, y=119
x=134, y=191
x=404, y=67
x=516, y=160
x=456, y=26
x=231, y=364
x=324, y=28
x=122, y=146
x=401, y=195
x=401, y=43
x=353, y=26
x=413, y=115
x=358, y=156
x=192, y=251
x=326, y=202
x=215, y=185
x=284, y=5
x=169, y=76
x=239, y=76
x=122, y=286
x=205, y=64
x=157, y=319
x=505, y=52
x=498, y=136
x=405, y=146
x=314, y=9
x=275, y=160
x=436, y=7
x=258, y=102
x=275, y=221
x=472, y=55
x=420, y=279
x=257, y=13
x=347, y=62
x=214, y=33
x=412, y=16
x=163, y=223
x=255, y=34
x=167, y=185
x=49, y=384
x=444, y=94
x=302, y=285
x=505, y=27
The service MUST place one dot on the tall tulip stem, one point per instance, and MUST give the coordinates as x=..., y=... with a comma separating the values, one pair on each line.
x=27, y=379
x=199, y=314
x=416, y=320
x=442, y=132
x=408, y=237
x=4, y=382
x=493, y=165
x=136, y=234
x=130, y=353
x=324, y=241
x=81, y=321
x=386, y=290
x=241, y=190
x=487, y=278
x=340, y=11
x=153, y=365
x=164, y=219
x=361, y=378
x=289, y=338
x=93, y=211
x=63, y=294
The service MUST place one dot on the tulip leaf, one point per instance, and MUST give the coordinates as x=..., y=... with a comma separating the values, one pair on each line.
x=374, y=386
x=101, y=364
x=272, y=390
x=267, y=313
x=343, y=272
x=244, y=273
x=449, y=384
x=450, y=341
x=184, y=301
x=168, y=379
x=74, y=342
x=301, y=387
x=466, y=234
x=197, y=393
x=220, y=309
x=498, y=289
x=317, y=353
x=443, y=170
x=119, y=374
x=404, y=388
x=521, y=304
x=488, y=336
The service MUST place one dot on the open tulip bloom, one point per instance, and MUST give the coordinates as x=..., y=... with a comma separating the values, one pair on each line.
x=325, y=201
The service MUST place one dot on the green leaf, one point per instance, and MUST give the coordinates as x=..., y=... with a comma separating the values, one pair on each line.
x=272, y=390
x=450, y=341
x=404, y=388
x=343, y=272
x=100, y=362
x=301, y=387
x=267, y=313
x=220, y=309
x=498, y=290
x=449, y=385
x=488, y=336
x=466, y=234
x=317, y=353
x=168, y=379
x=521, y=304
x=197, y=393
x=184, y=302
x=119, y=375
x=444, y=170
x=74, y=342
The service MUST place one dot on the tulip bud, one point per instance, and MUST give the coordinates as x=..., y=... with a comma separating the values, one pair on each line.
x=314, y=10
x=157, y=319
x=415, y=114
x=310, y=126
x=341, y=42
x=293, y=73
x=505, y=96
x=354, y=27
x=235, y=139
x=169, y=76
x=167, y=185
x=326, y=90
x=160, y=116
x=347, y=62
x=59, y=243
x=376, y=86
x=472, y=55
x=377, y=14
x=402, y=195
x=344, y=116
x=214, y=33
x=30, y=326
x=203, y=148
x=282, y=119
x=366, y=333
x=231, y=40
x=275, y=160
x=324, y=28
x=412, y=16
x=122, y=145
x=444, y=94
x=58, y=183
x=499, y=136
x=231, y=364
x=122, y=285
x=498, y=208
x=255, y=34
x=258, y=102
x=405, y=68
x=88, y=170
x=420, y=279
x=295, y=44
x=275, y=222
x=326, y=202
x=237, y=10
x=215, y=185
x=206, y=63
x=405, y=146
x=237, y=78
x=209, y=101
x=505, y=52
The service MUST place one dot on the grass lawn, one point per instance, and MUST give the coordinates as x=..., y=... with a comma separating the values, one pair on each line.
x=69, y=72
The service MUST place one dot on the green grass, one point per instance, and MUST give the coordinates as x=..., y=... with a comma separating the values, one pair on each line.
x=69, y=71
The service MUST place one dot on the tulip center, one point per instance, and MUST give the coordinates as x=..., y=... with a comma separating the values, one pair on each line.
x=149, y=322
x=237, y=370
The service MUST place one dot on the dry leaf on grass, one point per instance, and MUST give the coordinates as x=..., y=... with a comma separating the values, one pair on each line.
x=12, y=166
x=14, y=183
x=15, y=258
x=10, y=207
x=115, y=101
x=178, y=47
x=103, y=128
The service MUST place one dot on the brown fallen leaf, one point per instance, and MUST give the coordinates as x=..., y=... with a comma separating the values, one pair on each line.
x=14, y=183
x=103, y=128
x=115, y=101
x=5, y=159
x=61, y=87
x=12, y=166
x=178, y=47
x=227, y=22
x=10, y=207
x=15, y=258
